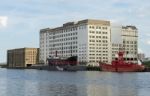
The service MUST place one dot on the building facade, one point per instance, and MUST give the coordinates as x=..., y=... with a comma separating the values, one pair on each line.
x=89, y=40
x=141, y=56
x=128, y=43
x=22, y=57
x=92, y=41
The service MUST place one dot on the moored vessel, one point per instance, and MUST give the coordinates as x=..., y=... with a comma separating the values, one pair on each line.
x=120, y=65
x=62, y=64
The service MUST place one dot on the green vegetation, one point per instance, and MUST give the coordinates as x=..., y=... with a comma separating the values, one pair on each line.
x=93, y=68
x=146, y=63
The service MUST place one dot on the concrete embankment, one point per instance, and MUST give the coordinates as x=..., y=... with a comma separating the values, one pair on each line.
x=56, y=68
x=66, y=68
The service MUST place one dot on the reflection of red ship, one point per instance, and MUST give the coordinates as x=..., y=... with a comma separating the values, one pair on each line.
x=120, y=65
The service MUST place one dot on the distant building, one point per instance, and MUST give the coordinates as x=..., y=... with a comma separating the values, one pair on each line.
x=22, y=57
x=141, y=56
x=127, y=41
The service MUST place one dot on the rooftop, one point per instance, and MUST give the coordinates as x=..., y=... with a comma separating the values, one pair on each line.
x=129, y=26
x=86, y=21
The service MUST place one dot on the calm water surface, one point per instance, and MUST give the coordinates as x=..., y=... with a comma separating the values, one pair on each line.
x=51, y=83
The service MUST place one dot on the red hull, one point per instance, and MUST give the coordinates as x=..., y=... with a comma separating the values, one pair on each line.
x=122, y=68
x=120, y=65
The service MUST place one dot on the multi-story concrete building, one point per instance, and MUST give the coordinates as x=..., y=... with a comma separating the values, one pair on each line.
x=141, y=56
x=22, y=57
x=89, y=40
x=127, y=41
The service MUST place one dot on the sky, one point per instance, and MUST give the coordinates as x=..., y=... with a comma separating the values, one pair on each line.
x=21, y=20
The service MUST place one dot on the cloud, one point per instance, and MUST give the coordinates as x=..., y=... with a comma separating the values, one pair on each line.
x=148, y=42
x=29, y=16
x=3, y=21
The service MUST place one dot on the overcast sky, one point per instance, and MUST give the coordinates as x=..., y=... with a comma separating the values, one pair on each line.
x=21, y=20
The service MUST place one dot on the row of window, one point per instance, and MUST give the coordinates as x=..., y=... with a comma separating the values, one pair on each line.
x=130, y=42
x=98, y=54
x=126, y=59
x=82, y=48
x=93, y=61
x=81, y=58
x=98, y=48
x=70, y=29
x=63, y=31
x=98, y=57
x=63, y=52
x=60, y=40
x=91, y=44
x=98, y=27
x=104, y=37
x=104, y=41
x=98, y=51
x=130, y=46
x=128, y=52
x=117, y=45
x=60, y=45
x=98, y=32
x=63, y=35
x=61, y=48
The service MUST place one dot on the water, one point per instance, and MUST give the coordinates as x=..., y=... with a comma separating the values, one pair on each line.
x=56, y=83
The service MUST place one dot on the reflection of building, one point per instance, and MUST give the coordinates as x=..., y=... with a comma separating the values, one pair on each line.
x=127, y=41
x=99, y=90
x=110, y=84
x=89, y=40
x=22, y=57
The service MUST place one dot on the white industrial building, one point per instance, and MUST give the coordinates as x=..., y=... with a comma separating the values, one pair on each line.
x=89, y=40
x=125, y=38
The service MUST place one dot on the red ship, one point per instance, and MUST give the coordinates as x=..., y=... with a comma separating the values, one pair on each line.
x=120, y=65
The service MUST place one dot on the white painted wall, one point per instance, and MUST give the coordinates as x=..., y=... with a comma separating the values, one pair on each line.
x=116, y=33
x=82, y=43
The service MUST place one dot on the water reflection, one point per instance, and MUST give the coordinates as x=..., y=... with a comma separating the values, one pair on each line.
x=57, y=89
x=114, y=84
x=20, y=85
x=14, y=85
x=3, y=83
x=110, y=91
x=46, y=83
